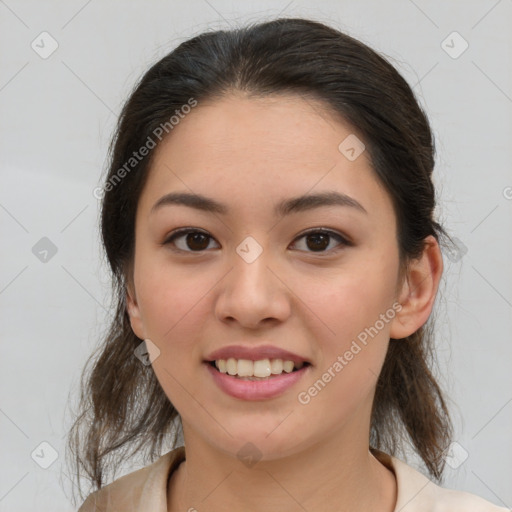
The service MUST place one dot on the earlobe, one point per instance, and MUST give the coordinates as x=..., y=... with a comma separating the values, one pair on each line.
x=418, y=291
x=133, y=311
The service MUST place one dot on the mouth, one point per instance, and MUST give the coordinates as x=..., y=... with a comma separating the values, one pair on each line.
x=263, y=379
x=260, y=370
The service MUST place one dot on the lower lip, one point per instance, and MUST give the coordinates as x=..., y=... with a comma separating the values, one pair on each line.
x=256, y=389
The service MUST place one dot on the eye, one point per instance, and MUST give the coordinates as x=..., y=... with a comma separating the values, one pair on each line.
x=319, y=239
x=194, y=239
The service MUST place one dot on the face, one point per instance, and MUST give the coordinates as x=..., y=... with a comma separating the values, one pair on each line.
x=253, y=276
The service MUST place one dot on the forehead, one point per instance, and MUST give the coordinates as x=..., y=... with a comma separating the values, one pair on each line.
x=296, y=127
x=270, y=147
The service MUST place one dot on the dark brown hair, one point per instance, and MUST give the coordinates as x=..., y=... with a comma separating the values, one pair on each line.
x=122, y=404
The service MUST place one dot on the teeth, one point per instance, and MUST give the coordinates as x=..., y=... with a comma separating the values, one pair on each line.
x=261, y=368
x=276, y=366
x=288, y=366
x=231, y=366
x=245, y=368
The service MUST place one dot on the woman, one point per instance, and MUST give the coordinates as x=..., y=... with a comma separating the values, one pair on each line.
x=268, y=218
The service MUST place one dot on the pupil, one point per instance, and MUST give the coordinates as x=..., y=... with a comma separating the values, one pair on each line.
x=193, y=238
x=321, y=241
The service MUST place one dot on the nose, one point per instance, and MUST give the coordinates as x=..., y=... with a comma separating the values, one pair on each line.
x=253, y=293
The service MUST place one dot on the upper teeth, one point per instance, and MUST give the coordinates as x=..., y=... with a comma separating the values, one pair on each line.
x=260, y=368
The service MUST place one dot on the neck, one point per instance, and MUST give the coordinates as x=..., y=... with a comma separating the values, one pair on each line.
x=329, y=476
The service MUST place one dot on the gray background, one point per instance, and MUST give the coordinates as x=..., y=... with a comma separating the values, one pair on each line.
x=57, y=115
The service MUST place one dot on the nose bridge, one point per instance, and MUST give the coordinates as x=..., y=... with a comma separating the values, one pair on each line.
x=251, y=292
x=251, y=279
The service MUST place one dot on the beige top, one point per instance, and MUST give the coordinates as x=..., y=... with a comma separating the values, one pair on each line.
x=145, y=490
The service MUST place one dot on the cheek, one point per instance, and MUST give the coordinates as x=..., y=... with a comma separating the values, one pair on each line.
x=349, y=301
x=173, y=309
x=353, y=340
x=351, y=359
x=170, y=304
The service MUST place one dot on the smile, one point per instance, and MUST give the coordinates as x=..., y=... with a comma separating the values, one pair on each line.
x=245, y=381
x=260, y=369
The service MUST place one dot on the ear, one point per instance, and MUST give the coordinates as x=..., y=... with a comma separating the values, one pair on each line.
x=418, y=291
x=133, y=310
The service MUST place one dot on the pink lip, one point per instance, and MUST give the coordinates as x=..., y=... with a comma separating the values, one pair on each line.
x=255, y=390
x=255, y=353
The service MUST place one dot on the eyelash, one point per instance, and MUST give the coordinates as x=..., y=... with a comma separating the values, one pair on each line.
x=185, y=231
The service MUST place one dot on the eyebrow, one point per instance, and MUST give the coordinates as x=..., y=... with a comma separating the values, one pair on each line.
x=284, y=207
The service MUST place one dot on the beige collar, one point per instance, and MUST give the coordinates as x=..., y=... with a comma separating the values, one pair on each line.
x=146, y=490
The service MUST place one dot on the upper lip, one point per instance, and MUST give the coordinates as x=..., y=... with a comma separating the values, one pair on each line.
x=255, y=353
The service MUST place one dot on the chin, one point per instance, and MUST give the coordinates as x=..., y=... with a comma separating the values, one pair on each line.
x=257, y=444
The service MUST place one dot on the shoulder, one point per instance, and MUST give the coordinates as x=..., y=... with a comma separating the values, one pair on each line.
x=416, y=493
x=144, y=489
